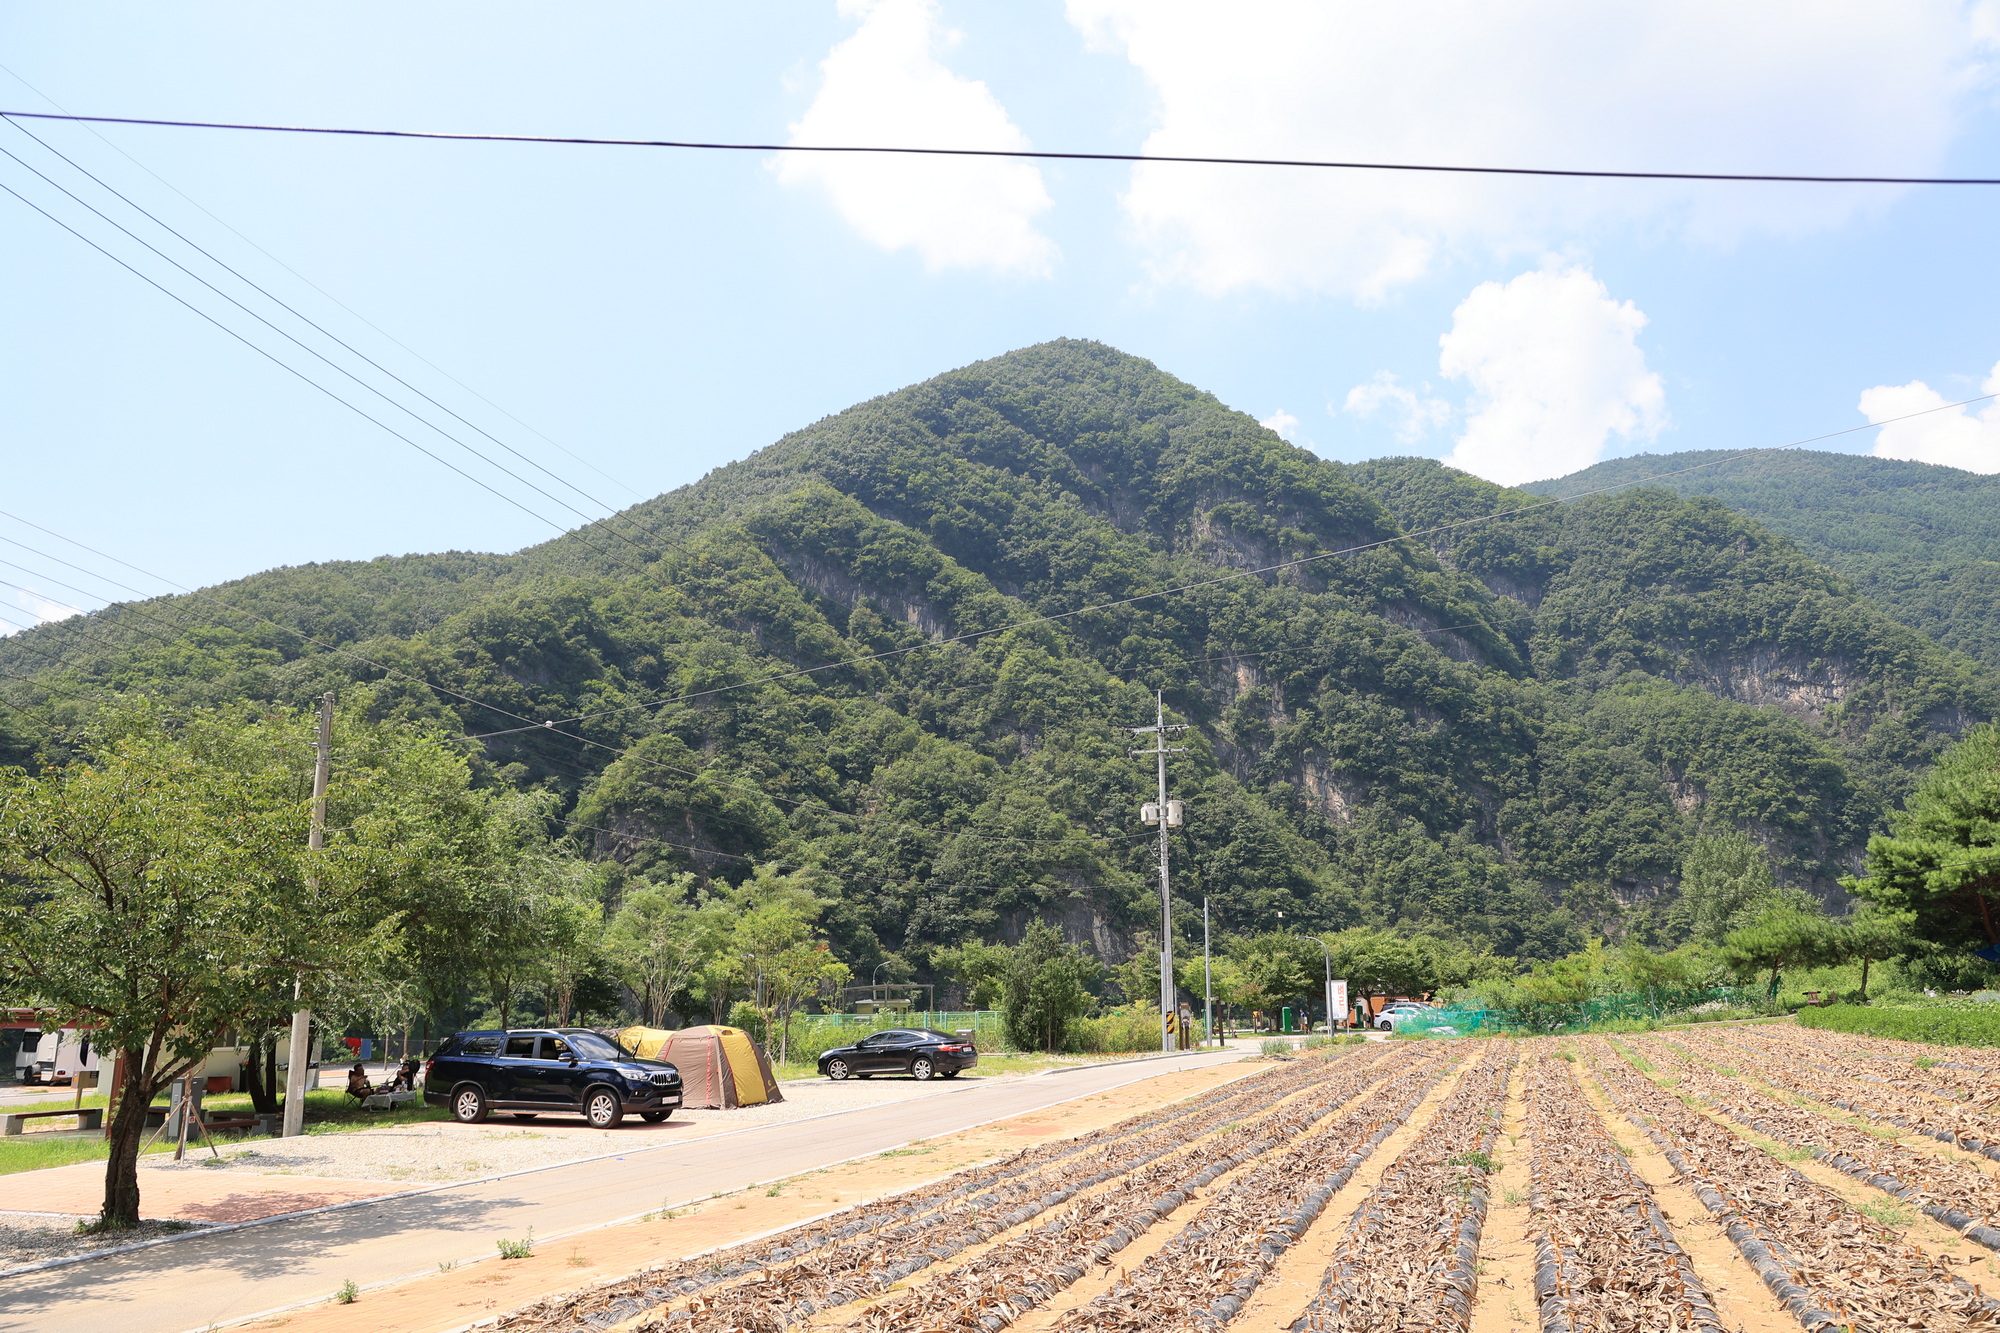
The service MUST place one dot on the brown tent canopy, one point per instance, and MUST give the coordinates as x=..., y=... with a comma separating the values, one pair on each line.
x=720, y=1067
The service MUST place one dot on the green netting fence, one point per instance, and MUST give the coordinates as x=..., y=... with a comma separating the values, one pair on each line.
x=1568, y=1015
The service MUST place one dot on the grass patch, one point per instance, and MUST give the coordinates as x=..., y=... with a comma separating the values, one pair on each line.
x=523, y=1248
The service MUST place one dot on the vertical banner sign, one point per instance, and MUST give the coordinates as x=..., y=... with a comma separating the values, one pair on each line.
x=1336, y=1003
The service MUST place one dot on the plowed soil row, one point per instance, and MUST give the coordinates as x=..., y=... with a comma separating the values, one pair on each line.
x=1834, y=1267
x=1606, y=1257
x=1409, y=1258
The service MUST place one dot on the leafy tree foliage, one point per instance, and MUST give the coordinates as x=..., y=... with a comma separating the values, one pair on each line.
x=1940, y=862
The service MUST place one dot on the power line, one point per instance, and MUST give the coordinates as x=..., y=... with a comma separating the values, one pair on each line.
x=622, y=485
x=1235, y=575
x=1039, y=154
x=589, y=522
x=327, y=333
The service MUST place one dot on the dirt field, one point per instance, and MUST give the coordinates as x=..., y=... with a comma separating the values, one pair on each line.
x=1755, y=1178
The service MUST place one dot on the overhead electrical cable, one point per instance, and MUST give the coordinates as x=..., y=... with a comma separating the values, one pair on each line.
x=195, y=203
x=325, y=332
x=1238, y=574
x=589, y=521
x=1031, y=153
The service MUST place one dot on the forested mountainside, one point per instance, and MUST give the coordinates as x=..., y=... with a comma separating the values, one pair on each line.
x=1507, y=729
x=1923, y=541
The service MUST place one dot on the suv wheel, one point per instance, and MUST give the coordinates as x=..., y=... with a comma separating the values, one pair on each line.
x=921, y=1068
x=468, y=1105
x=654, y=1117
x=837, y=1070
x=602, y=1109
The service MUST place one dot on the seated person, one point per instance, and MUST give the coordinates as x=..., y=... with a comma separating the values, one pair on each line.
x=406, y=1077
x=358, y=1084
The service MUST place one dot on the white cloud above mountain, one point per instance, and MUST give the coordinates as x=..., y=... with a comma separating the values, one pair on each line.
x=1555, y=372
x=1965, y=437
x=888, y=83
x=1863, y=87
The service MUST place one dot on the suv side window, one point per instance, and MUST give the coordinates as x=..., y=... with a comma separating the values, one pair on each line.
x=521, y=1048
x=488, y=1045
x=555, y=1048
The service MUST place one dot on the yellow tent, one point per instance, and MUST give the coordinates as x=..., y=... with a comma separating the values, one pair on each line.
x=720, y=1067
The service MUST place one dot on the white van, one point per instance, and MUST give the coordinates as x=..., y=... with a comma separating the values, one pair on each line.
x=55, y=1058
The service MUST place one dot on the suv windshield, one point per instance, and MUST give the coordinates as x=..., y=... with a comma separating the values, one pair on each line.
x=591, y=1045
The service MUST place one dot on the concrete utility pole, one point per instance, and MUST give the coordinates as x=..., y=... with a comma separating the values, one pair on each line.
x=1207, y=981
x=1167, y=814
x=295, y=1072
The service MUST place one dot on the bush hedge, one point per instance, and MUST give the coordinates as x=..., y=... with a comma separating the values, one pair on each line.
x=1938, y=1026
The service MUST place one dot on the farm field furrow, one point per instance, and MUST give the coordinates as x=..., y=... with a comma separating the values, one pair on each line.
x=1956, y=1193
x=1949, y=1122
x=1025, y=1271
x=821, y=1278
x=1408, y=1259
x=961, y=1201
x=1830, y=1264
x=1201, y=1277
x=1606, y=1258
x=1946, y=1081
x=1982, y=1059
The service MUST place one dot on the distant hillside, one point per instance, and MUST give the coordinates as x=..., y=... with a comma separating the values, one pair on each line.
x=1509, y=732
x=1922, y=541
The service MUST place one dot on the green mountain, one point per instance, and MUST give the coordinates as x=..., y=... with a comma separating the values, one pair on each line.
x=1922, y=541
x=907, y=643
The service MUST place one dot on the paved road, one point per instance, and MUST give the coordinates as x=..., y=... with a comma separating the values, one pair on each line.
x=206, y=1280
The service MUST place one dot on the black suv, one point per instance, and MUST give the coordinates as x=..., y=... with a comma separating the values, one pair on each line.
x=918, y=1052
x=564, y=1070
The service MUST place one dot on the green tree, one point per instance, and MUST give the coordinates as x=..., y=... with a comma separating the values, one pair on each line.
x=1940, y=860
x=1869, y=935
x=1779, y=938
x=1045, y=989
x=659, y=939
x=1726, y=881
x=158, y=888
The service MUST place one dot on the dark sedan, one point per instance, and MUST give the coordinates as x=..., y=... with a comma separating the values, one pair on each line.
x=919, y=1052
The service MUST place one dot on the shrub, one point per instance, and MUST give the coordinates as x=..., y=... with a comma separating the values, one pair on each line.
x=348, y=1293
x=1938, y=1025
x=523, y=1248
x=1277, y=1050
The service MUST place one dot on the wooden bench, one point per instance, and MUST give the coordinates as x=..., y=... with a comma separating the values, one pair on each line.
x=14, y=1122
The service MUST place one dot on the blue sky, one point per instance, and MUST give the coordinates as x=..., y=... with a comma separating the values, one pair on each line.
x=656, y=314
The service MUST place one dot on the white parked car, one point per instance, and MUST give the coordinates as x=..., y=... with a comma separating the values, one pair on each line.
x=1386, y=1020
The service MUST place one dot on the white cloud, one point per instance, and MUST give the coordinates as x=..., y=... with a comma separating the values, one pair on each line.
x=43, y=609
x=886, y=85
x=1555, y=371
x=1418, y=414
x=1283, y=424
x=1955, y=438
x=1796, y=86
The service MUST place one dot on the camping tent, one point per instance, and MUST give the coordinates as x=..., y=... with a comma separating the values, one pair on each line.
x=720, y=1067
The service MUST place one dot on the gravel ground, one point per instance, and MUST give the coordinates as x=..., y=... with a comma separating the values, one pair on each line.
x=443, y=1151
x=26, y=1238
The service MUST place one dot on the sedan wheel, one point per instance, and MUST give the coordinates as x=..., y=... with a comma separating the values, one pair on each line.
x=602, y=1109
x=468, y=1106
x=921, y=1068
x=837, y=1070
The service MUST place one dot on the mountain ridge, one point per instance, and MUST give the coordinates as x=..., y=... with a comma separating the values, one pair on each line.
x=1510, y=729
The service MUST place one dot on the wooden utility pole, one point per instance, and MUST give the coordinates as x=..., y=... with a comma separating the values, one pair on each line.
x=295, y=1072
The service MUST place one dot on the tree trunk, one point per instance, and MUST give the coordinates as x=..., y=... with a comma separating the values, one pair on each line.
x=263, y=1075
x=1865, y=961
x=128, y=1127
